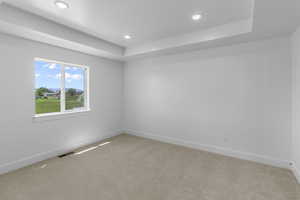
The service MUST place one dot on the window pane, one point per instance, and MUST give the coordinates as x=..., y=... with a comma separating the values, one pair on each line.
x=47, y=87
x=74, y=87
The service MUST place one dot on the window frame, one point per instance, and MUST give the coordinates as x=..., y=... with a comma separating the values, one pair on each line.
x=63, y=110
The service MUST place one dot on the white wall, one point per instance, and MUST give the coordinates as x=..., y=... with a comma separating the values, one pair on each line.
x=24, y=140
x=296, y=101
x=233, y=100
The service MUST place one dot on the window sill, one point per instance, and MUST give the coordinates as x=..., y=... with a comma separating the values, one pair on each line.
x=59, y=115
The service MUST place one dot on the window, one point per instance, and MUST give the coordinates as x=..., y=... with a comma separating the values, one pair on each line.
x=60, y=88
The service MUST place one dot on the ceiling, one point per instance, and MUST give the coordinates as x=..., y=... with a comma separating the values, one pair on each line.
x=155, y=25
x=145, y=20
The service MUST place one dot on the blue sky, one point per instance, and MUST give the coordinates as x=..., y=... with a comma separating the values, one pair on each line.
x=48, y=75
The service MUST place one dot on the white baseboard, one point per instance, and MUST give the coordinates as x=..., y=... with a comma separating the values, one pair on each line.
x=214, y=149
x=296, y=172
x=11, y=166
x=223, y=151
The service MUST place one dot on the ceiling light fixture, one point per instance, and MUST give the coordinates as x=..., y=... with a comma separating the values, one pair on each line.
x=197, y=17
x=61, y=4
x=127, y=37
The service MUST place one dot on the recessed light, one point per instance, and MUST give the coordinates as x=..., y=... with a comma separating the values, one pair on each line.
x=61, y=4
x=197, y=17
x=127, y=37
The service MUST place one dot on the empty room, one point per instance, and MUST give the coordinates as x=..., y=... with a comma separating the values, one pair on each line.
x=150, y=100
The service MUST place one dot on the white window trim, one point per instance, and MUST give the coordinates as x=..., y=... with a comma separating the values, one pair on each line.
x=63, y=111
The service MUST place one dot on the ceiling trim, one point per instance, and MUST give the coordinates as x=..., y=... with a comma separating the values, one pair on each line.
x=30, y=26
x=198, y=37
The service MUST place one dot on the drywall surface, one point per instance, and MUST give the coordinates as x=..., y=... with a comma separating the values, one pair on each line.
x=296, y=101
x=233, y=100
x=24, y=140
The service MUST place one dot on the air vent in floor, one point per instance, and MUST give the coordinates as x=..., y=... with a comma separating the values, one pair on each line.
x=66, y=154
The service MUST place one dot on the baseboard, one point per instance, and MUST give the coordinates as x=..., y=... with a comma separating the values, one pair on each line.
x=214, y=149
x=296, y=172
x=8, y=167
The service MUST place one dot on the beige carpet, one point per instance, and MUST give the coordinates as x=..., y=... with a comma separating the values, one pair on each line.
x=132, y=168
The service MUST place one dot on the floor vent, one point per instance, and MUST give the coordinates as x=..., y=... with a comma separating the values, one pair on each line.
x=66, y=154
